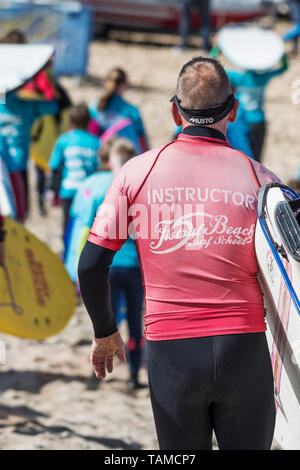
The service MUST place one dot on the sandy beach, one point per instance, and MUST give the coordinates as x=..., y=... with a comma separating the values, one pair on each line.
x=44, y=401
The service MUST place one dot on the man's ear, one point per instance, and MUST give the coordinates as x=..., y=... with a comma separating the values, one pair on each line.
x=233, y=113
x=176, y=115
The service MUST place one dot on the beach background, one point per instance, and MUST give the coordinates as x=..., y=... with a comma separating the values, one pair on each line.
x=44, y=403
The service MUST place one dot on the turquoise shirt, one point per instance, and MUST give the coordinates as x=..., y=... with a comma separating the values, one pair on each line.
x=4, y=153
x=76, y=152
x=250, y=90
x=16, y=119
x=89, y=197
x=116, y=109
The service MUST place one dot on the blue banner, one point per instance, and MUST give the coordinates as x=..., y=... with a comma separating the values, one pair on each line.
x=66, y=25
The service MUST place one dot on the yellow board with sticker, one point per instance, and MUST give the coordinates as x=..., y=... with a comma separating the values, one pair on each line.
x=37, y=297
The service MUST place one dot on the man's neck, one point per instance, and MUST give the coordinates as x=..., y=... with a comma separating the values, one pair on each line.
x=218, y=126
x=204, y=131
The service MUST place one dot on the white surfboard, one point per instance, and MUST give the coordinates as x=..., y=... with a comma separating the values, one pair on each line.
x=283, y=322
x=7, y=199
x=251, y=47
x=20, y=63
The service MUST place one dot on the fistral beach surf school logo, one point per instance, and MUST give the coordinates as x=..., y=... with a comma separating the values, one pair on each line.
x=198, y=230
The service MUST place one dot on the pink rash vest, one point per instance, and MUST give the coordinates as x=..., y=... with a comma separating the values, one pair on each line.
x=191, y=207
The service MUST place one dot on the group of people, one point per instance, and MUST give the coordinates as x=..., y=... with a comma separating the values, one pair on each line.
x=98, y=140
x=204, y=319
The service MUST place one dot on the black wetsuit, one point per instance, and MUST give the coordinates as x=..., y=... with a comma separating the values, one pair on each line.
x=221, y=383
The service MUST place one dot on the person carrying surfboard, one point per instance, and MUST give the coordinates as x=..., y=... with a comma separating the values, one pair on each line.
x=250, y=89
x=17, y=116
x=43, y=86
x=192, y=207
x=113, y=115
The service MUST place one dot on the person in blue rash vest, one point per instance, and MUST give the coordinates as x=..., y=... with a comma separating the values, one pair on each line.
x=112, y=108
x=125, y=275
x=250, y=89
x=74, y=157
x=16, y=119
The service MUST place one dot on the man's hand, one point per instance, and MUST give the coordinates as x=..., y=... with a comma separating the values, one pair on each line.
x=102, y=353
x=2, y=253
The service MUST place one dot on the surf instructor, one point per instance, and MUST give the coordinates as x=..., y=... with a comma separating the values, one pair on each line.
x=191, y=206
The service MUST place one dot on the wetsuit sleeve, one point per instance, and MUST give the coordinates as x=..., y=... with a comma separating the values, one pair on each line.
x=279, y=71
x=93, y=275
x=110, y=227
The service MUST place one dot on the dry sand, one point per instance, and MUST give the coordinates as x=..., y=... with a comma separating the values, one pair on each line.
x=44, y=401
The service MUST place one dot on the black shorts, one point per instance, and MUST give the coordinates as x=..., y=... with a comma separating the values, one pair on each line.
x=220, y=383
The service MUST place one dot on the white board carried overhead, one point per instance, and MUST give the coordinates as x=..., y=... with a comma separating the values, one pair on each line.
x=19, y=63
x=251, y=47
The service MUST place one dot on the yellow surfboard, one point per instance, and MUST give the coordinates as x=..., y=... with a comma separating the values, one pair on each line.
x=37, y=297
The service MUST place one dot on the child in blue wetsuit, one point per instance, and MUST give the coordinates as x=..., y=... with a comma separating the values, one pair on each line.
x=74, y=157
x=112, y=111
x=250, y=89
x=125, y=275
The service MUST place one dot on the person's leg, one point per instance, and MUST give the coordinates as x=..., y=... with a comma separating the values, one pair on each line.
x=294, y=32
x=181, y=375
x=184, y=22
x=24, y=174
x=295, y=10
x=66, y=206
x=116, y=288
x=244, y=406
x=40, y=183
x=257, y=139
x=205, y=30
x=134, y=293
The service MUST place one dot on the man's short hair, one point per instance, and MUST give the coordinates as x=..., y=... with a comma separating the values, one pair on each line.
x=202, y=83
